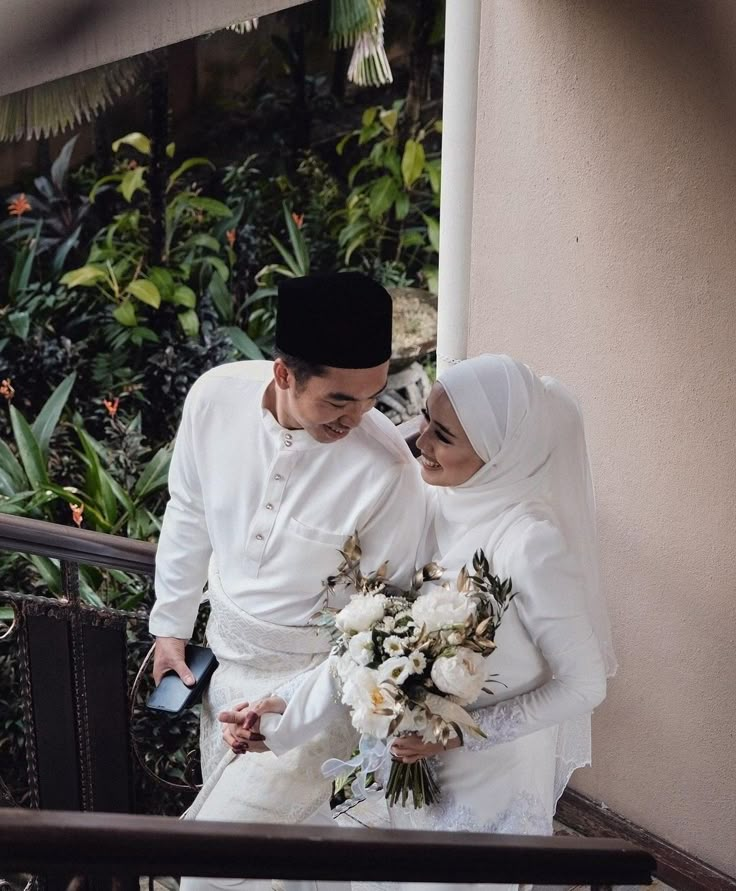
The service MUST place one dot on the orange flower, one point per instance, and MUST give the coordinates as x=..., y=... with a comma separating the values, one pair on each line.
x=18, y=206
x=112, y=405
x=6, y=389
x=230, y=235
x=77, y=511
x=298, y=219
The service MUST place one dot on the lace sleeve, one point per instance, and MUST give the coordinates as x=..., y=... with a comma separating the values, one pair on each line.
x=288, y=689
x=501, y=723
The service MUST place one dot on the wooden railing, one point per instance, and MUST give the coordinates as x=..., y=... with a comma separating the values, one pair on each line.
x=69, y=844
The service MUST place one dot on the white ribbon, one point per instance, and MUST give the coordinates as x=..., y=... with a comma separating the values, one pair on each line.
x=372, y=754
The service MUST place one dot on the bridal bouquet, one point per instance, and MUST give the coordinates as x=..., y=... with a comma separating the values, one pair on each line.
x=410, y=662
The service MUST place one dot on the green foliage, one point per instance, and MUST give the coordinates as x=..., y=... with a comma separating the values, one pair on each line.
x=392, y=210
x=119, y=267
x=113, y=495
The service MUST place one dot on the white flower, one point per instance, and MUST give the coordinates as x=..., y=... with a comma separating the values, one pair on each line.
x=373, y=704
x=361, y=647
x=396, y=670
x=388, y=623
x=394, y=646
x=342, y=666
x=462, y=675
x=454, y=638
x=439, y=608
x=418, y=662
x=361, y=613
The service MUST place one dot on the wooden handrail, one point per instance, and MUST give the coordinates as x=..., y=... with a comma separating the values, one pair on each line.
x=117, y=844
x=26, y=536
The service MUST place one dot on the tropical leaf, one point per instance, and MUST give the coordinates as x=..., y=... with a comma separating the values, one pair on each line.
x=138, y=141
x=244, y=344
x=412, y=162
x=28, y=450
x=45, y=424
x=84, y=276
x=382, y=195
x=144, y=290
x=155, y=474
x=185, y=166
x=189, y=321
x=125, y=314
x=132, y=181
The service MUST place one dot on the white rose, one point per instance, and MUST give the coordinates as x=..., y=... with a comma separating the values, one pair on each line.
x=361, y=647
x=396, y=669
x=440, y=608
x=462, y=675
x=361, y=613
x=367, y=698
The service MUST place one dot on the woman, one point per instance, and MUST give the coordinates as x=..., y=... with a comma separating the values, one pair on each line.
x=504, y=454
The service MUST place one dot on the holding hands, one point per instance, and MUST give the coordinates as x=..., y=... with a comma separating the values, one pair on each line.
x=243, y=724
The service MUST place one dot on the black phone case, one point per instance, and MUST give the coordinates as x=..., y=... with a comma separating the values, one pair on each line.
x=172, y=694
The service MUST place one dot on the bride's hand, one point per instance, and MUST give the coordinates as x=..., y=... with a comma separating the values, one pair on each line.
x=410, y=749
x=242, y=731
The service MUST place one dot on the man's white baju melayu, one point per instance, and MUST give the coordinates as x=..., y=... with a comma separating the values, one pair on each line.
x=260, y=512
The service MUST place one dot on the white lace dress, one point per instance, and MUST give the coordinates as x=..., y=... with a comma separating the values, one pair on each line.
x=547, y=670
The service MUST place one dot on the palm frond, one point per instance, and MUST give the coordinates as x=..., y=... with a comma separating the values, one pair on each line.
x=51, y=108
x=369, y=65
x=244, y=27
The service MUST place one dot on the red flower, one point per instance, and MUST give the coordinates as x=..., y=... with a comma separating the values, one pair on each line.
x=112, y=405
x=6, y=389
x=298, y=219
x=230, y=235
x=77, y=511
x=18, y=206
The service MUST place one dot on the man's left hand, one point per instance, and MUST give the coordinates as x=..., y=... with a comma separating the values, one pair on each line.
x=410, y=749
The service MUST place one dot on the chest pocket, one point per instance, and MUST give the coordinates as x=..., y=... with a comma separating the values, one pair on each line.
x=318, y=536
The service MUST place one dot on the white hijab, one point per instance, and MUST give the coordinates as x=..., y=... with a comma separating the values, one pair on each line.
x=529, y=432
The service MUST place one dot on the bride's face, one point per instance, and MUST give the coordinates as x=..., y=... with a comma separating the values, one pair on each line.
x=447, y=457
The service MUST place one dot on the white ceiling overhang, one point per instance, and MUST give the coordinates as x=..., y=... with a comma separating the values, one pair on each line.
x=43, y=40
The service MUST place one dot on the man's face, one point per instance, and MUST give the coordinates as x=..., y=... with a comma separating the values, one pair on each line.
x=329, y=407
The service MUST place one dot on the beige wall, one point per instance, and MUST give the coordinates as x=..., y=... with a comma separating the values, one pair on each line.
x=605, y=252
x=42, y=40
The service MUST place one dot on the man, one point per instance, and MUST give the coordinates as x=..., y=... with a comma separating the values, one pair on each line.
x=267, y=481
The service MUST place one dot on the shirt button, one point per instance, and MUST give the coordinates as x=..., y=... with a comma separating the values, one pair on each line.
x=278, y=477
x=287, y=443
x=269, y=507
x=259, y=537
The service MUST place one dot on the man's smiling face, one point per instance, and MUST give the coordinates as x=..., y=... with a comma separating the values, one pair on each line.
x=328, y=406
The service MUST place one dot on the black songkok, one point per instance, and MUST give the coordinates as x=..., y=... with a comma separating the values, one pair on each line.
x=342, y=320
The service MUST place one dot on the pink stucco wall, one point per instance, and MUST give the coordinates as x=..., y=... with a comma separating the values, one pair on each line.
x=605, y=252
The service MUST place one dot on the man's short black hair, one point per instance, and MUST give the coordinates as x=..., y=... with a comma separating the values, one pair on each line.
x=300, y=368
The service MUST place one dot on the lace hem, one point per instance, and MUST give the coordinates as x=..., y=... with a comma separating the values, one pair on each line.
x=501, y=723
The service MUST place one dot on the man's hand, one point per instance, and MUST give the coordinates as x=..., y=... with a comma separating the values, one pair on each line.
x=243, y=724
x=410, y=749
x=168, y=655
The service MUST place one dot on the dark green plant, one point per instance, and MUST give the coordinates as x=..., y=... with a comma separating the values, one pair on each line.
x=55, y=219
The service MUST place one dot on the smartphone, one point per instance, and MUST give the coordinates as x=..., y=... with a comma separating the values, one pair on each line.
x=172, y=694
